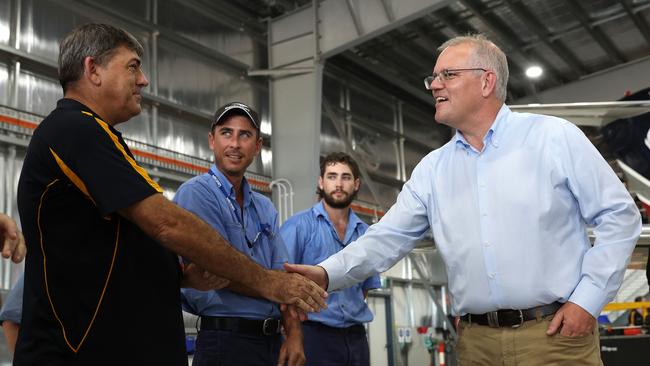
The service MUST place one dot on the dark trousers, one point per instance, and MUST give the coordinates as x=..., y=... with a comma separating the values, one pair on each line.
x=328, y=346
x=227, y=348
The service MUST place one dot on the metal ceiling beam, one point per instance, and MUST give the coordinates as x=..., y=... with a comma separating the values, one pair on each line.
x=451, y=21
x=398, y=44
x=333, y=26
x=594, y=23
x=430, y=38
x=387, y=75
x=512, y=43
x=631, y=76
x=229, y=17
x=639, y=22
x=101, y=11
x=521, y=11
x=580, y=13
x=395, y=65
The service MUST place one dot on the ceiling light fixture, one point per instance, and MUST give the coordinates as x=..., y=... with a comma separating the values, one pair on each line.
x=534, y=72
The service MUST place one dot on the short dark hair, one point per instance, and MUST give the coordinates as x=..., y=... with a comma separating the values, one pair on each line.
x=339, y=157
x=95, y=40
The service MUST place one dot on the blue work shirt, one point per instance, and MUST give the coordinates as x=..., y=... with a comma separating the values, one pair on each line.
x=311, y=238
x=510, y=221
x=219, y=208
x=12, y=309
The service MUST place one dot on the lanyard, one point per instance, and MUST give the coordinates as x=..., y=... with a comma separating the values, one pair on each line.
x=262, y=228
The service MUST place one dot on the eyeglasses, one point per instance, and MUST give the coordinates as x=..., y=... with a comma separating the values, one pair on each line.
x=446, y=75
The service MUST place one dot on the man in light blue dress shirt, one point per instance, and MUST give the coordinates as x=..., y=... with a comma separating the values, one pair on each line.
x=508, y=200
x=236, y=329
x=335, y=336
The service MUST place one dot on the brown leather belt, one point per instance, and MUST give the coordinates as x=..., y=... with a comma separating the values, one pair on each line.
x=266, y=327
x=510, y=317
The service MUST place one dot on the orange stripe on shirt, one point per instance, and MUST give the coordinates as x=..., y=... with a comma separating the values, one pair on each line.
x=74, y=178
x=128, y=158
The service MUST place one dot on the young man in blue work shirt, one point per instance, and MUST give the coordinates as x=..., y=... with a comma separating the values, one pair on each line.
x=236, y=329
x=336, y=335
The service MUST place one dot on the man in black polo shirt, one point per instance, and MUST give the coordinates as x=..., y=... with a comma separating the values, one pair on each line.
x=101, y=279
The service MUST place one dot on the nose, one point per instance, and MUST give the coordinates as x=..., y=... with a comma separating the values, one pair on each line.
x=142, y=80
x=235, y=142
x=338, y=183
x=436, y=84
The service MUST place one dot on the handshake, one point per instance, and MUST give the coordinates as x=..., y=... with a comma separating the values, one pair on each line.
x=301, y=289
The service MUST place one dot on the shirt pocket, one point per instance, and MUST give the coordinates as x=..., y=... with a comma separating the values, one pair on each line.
x=235, y=235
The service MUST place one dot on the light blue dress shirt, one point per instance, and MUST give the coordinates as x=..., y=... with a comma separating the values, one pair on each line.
x=12, y=309
x=510, y=221
x=218, y=207
x=310, y=238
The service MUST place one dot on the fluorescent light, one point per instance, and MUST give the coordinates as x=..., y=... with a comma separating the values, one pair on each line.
x=534, y=72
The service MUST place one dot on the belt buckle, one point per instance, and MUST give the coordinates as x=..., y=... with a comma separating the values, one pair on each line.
x=267, y=327
x=521, y=320
x=493, y=319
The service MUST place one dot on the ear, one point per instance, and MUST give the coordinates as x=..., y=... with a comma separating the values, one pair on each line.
x=488, y=83
x=320, y=182
x=211, y=140
x=258, y=145
x=357, y=184
x=91, y=71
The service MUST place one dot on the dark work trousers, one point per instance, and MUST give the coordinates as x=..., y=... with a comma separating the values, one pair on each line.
x=328, y=346
x=227, y=348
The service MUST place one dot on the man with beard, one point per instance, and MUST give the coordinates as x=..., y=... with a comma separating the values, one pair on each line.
x=313, y=235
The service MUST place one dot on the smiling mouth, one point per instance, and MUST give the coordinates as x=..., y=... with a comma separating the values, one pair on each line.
x=441, y=99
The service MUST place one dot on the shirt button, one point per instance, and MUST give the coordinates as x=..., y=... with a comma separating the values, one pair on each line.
x=492, y=275
x=482, y=185
x=484, y=214
x=486, y=244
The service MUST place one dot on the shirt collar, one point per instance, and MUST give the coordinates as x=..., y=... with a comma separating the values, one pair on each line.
x=228, y=187
x=492, y=137
x=319, y=210
x=67, y=103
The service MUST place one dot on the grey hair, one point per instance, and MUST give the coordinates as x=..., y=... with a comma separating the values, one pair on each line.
x=95, y=40
x=487, y=55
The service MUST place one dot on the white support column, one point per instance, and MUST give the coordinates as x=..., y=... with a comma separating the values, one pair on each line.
x=298, y=45
x=296, y=116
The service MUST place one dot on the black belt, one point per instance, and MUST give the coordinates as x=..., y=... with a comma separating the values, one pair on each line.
x=353, y=329
x=266, y=327
x=510, y=317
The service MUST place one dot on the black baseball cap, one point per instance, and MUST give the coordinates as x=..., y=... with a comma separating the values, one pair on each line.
x=236, y=109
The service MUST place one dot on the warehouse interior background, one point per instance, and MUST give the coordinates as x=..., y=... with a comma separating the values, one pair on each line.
x=325, y=76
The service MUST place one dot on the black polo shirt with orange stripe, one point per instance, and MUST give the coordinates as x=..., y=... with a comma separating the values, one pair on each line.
x=98, y=291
